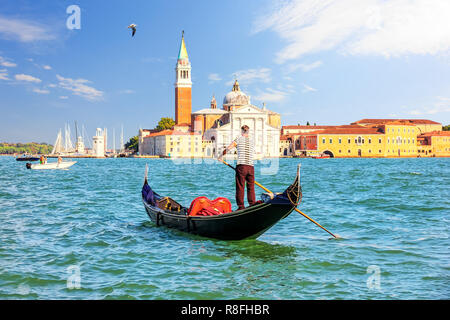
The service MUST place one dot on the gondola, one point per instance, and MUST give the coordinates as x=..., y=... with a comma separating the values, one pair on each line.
x=248, y=223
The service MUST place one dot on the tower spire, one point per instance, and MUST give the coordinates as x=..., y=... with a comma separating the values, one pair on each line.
x=183, y=52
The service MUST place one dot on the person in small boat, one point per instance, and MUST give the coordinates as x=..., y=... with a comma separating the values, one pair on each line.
x=245, y=172
x=41, y=160
x=59, y=159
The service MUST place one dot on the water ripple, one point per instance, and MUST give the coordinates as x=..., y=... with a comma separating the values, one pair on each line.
x=391, y=213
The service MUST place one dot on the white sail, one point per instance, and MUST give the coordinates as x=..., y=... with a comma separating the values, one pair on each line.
x=114, y=141
x=68, y=146
x=122, y=147
x=57, y=147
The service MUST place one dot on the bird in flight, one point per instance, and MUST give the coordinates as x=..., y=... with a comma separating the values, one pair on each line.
x=132, y=27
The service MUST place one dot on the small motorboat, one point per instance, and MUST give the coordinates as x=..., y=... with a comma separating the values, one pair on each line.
x=51, y=165
x=321, y=156
x=248, y=223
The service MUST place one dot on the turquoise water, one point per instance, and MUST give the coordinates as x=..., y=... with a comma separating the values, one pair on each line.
x=84, y=234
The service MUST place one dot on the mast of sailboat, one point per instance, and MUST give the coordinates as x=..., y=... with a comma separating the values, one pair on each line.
x=57, y=146
x=114, y=140
x=76, y=137
x=121, y=141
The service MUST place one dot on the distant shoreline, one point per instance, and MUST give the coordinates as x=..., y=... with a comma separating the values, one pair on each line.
x=281, y=157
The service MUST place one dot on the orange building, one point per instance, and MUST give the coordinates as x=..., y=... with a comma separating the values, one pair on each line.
x=423, y=125
x=434, y=144
x=369, y=138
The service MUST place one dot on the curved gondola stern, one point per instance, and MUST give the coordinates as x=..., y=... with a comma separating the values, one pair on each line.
x=146, y=188
x=294, y=191
x=146, y=174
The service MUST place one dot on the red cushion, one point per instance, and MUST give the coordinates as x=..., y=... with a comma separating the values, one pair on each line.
x=202, y=206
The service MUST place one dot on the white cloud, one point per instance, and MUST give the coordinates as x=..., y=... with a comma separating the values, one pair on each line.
x=359, y=27
x=214, y=77
x=307, y=88
x=271, y=95
x=80, y=88
x=52, y=85
x=251, y=75
x=4, y=74
x=5, y=63
x=41, y=91
x=304, y=67
x=63, y=97
x=442, y=104
x=27, y=78
x=47, y=67
x=24, y=30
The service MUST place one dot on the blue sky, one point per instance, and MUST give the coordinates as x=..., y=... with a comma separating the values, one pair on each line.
x=328, y=62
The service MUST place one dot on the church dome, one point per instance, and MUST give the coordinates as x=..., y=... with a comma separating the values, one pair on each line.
x=235, y=98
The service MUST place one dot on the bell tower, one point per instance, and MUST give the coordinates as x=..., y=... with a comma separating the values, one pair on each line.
x=183, y=86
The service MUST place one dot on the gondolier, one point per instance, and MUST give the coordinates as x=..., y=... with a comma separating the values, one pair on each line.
x=245, y=172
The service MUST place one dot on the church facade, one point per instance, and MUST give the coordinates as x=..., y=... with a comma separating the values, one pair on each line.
x=206, y=132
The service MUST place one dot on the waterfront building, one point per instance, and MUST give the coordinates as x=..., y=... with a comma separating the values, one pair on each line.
x=286, y=146
x=401, y=138
x=221, y=127
x=206, y=132
x=434, y=144
x=344, y=142
x=98, y=147
x=173, y=143
x=423, y=125
x=391, y=139
x=79, y=147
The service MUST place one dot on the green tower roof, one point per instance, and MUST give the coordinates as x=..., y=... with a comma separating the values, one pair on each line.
x=183, y=52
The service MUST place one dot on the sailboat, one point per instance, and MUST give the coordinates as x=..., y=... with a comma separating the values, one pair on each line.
x=57, y=147
x=67, y=148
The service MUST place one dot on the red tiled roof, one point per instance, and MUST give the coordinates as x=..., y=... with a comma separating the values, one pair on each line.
x=384, y=121
x=348, y=130
x=285, y=136
x=435, y=133
x=306, y=127
x=169, y=132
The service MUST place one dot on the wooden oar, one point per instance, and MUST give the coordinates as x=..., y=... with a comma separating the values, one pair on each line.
x=267, y=190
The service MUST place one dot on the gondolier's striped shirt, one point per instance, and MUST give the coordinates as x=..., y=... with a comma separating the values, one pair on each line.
x=245, y=148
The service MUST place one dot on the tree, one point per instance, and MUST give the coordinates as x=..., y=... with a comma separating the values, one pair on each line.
x=307, y=123
x=165, y=123
x=446, y=128
x=33, y=148
x=133, y=144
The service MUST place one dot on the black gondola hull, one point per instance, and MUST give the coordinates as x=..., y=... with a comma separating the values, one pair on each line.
x=250, y=222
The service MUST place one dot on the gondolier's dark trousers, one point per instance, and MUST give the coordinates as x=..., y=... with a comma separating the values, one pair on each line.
x=245, y=173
